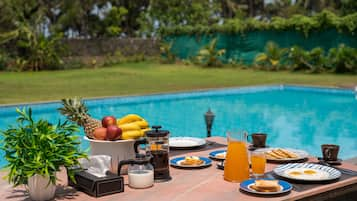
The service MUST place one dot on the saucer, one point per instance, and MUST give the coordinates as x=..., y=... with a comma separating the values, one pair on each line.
x=252, y=147
x=336, y=162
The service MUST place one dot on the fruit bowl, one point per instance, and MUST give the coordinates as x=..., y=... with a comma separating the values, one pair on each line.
x=118, y=150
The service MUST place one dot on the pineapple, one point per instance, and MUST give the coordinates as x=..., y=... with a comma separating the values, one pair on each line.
x=76, y=111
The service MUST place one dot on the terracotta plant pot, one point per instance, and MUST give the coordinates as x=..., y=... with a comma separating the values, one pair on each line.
x=40, y=189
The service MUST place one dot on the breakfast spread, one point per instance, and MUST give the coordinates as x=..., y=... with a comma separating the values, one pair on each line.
x=192, y=160
x=276, y=154
x=266, y=186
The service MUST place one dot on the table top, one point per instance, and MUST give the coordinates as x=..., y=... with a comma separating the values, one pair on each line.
x=196, y=184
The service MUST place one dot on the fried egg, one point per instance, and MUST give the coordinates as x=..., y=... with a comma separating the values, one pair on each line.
x=294, y=173
x=310, y=172
x=306, y=173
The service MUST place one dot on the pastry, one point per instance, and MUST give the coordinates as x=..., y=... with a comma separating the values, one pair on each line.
x=266, y=185
x=191, y=160
x=280, y=154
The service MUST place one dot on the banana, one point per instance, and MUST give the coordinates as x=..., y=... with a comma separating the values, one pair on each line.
x=144, y=130
x=129, y=118
x=129, y=126
x=133, y=134
x=142, y=123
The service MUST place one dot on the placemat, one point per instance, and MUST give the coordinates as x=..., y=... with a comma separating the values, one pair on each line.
x=209, y=145
x=300, y=186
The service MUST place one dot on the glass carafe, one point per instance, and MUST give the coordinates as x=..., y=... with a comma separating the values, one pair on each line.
x=236, y=168
x=140, y=171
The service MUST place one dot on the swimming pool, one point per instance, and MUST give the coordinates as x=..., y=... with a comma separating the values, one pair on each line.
x=296, y=117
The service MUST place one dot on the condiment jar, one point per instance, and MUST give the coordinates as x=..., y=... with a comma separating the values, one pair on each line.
x=140, y=171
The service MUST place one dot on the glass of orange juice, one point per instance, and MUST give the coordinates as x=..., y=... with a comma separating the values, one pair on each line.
x=258, y=162
x=236, y=168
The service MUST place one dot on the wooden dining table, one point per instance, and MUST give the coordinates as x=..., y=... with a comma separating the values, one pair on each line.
x=206, y=184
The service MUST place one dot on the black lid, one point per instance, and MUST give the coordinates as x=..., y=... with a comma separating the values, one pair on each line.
x=156, y=132
x=141, y=159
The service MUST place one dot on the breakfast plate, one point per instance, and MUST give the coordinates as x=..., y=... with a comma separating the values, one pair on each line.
x=191, y=162
x=307, y=172
x=186, y=142
x=249, y=186
x=218, y=155
x=284, y=154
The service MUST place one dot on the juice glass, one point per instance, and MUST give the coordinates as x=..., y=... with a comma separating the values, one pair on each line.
x=236, y=168
x=258, y=162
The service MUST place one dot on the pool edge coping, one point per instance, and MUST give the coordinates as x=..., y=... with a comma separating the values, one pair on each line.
x=301, y=87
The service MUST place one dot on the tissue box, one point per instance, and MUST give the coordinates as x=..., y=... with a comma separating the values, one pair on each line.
x=98, y=186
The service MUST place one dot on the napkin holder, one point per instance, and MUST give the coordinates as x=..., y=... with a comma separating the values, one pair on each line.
x=93, y=177
x=97, y=186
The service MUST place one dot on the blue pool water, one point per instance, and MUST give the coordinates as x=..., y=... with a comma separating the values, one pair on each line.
x=295, y=117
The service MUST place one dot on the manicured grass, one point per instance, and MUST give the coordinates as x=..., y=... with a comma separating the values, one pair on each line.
x=144, y=78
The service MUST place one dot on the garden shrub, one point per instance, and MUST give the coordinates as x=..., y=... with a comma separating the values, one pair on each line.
x=4, y=60
x=209, y=56
x=166, y=54
x=312, y=61
x=271, y=59
x=342, y=59
x=339, y=60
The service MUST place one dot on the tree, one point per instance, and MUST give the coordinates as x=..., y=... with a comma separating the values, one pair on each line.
x=163, y=13
x=24, y=37
x=130, y=22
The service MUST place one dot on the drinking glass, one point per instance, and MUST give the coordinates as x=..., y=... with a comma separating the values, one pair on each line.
x=236, y=168
x=258, y=162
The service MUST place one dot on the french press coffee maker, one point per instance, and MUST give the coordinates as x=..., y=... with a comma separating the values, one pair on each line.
x=158, y=147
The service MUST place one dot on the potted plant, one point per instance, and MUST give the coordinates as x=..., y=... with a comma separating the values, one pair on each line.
x=35, y=151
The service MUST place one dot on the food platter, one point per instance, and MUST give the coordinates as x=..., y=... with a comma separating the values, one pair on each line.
x=218, y=155
x=247, y=186
x=186, y=142
x=307, y=172
x=285, y=154
x=201, y=162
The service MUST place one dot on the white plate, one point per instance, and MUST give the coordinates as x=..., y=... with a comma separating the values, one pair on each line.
x=246, y=186
x=218, y=155
x=301, y=154
x=176, y=162
x=307, y=172
x=186, y=142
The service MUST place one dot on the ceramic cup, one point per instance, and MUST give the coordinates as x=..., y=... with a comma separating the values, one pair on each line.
x=258, y=139
x=330, y=152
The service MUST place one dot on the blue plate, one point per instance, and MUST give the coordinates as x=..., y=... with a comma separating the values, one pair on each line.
x=216, y=154
x=176, y=162
x=284, y=187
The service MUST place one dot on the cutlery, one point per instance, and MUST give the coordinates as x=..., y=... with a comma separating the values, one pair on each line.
x=344, y=171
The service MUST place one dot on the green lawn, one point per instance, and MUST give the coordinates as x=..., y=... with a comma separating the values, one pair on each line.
x=145, y=78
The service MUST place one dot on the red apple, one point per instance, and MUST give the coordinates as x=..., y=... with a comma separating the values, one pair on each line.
x=113, y=132
x=100, y=133
x=108, y=121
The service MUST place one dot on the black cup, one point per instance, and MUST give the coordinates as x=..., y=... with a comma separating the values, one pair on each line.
x=258, y=139
x=330, y=152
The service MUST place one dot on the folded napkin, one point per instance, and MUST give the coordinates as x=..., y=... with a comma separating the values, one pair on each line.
x=96, y=165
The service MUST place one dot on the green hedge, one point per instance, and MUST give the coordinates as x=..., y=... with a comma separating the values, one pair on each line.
x=306, y=25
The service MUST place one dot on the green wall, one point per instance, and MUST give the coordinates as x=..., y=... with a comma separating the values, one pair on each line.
x=244, y=47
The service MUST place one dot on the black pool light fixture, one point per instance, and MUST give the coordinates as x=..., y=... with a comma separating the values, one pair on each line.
x=209, y=117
